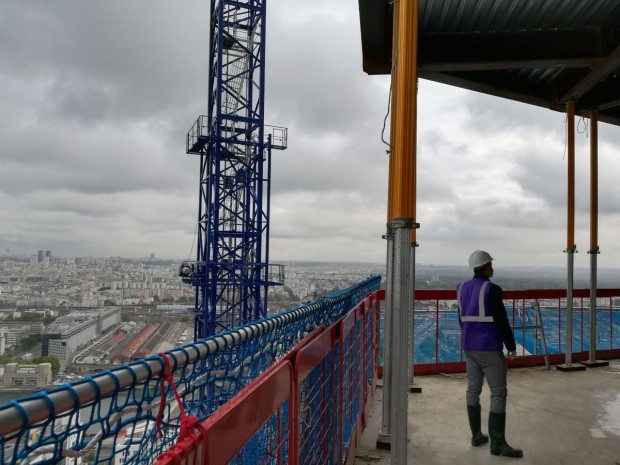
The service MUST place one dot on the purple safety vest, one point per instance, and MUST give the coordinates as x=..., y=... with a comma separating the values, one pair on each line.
x=478, y=329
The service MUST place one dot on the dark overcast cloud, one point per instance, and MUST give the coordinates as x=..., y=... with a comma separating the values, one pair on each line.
x=96, y=99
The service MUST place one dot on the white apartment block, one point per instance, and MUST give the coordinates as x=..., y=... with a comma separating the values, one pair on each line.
x=15, y=333
x=69, y=332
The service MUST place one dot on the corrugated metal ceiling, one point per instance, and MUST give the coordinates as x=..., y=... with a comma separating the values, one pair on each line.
x=542, y=52
x=440, y=16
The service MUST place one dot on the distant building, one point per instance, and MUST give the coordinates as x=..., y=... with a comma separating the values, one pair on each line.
x=15, y=333
x=41, y=256
x=67, y=333
x=34, y=328
x=45, y=313
x=126, y=328
x=8, y=313
x=27, y=375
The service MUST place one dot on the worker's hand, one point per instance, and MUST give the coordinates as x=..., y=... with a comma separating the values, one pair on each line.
x=512, y=354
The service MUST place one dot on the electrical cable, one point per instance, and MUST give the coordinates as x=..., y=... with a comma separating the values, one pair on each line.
x=394, y=61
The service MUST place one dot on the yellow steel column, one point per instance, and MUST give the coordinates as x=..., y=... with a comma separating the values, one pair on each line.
x=383, y=439
x=403, y=182
x=594, y=182
x=394, y=97
x=594, y=248
x=402, y=198
x=570, y=223
x=571, y=248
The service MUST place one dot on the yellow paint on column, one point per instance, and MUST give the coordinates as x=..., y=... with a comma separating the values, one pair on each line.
x=394, y=97
x=570, y=223
x=593, y=181
x=403, y=182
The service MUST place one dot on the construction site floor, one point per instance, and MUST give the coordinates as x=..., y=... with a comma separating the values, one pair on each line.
x=556, y=417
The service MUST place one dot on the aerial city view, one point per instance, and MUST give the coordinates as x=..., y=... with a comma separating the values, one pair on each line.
x=87, y=314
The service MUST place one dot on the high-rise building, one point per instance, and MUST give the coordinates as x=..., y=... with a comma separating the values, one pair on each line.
x=48, y=253
x=41, y=255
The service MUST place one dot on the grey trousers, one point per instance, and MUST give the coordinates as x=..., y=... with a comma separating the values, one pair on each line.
x=492, y=366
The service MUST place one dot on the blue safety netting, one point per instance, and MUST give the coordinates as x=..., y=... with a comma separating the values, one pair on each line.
x=113, y=416
x=447, y=344
x=269, y=444
x=438, y=333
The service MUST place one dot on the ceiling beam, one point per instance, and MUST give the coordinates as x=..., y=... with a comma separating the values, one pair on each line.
x=479, y=82
x=592, y=79
x=501, y=89
x=504, y=65
x=376, y=29
x=604, y=96
x=575, y=48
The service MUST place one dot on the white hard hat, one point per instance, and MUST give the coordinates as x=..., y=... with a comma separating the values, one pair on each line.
x=479, y=258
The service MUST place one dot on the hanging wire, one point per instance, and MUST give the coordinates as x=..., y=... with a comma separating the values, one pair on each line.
x=585, y=126
x=565, y=136
x=389, y=149
x=191, y=250
x=389, y=105
x=583, y=121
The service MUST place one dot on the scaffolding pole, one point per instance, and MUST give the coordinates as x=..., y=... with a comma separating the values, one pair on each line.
x=383, y=440
x=402, y=297
x=402, y=192
x=571, y=248
x=594, y=247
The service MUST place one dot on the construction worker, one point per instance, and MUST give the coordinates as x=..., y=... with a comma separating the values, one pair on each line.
x=485, y=332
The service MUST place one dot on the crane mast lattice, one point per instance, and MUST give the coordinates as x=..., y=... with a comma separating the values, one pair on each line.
x=232, y=271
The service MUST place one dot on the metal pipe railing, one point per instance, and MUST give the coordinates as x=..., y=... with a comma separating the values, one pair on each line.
x=21, y=414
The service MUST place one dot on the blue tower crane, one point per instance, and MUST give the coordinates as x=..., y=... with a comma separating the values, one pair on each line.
x=232, y=271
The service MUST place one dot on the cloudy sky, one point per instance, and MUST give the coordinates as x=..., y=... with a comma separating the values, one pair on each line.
x=96, y=98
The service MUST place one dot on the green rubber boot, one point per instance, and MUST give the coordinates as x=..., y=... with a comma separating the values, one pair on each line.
x=497, y=430
x=477, y=438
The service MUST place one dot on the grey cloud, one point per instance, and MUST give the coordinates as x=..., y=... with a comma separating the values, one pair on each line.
x=491, y=114
x=319, y=81
x=137, y=56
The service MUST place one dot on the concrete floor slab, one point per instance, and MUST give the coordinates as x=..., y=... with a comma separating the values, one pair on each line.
x=557, y=418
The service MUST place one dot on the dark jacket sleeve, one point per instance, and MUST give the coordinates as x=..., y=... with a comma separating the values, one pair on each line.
x=500, y=317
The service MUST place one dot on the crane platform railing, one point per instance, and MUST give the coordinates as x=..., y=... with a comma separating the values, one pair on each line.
x=129, y=415
x=193, y=272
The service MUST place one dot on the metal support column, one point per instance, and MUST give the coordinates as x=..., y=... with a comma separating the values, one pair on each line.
x=401, y=212
x=383, y=440
x=571, y=248
x=413, y=388
x=594, y=248
x=402, y=293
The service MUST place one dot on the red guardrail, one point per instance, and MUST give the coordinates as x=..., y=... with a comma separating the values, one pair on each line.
x=309, y=408
x=515, y=299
